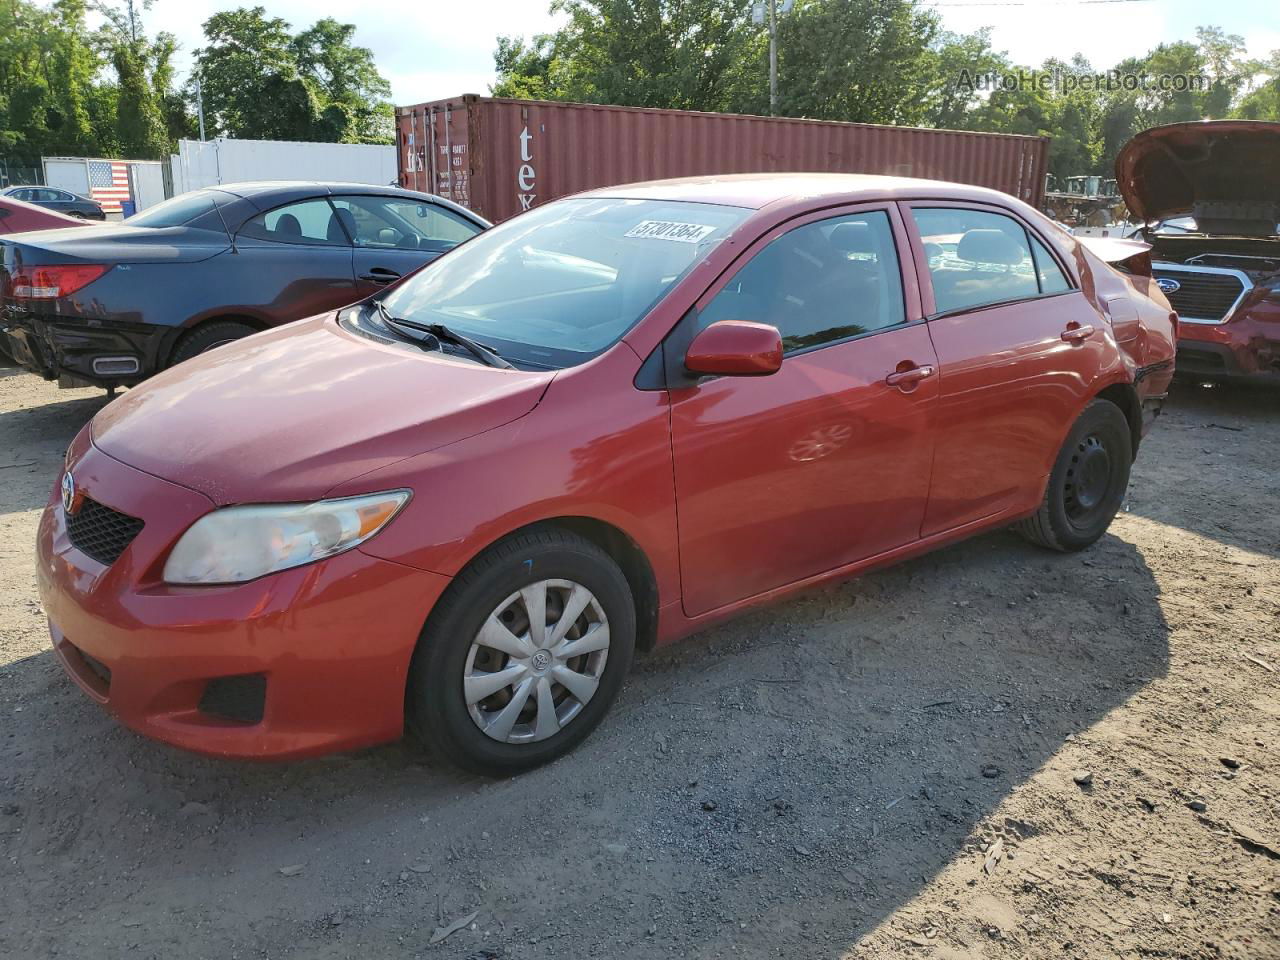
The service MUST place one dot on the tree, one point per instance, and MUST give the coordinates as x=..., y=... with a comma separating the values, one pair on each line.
x=684, y=54
x=143, y=78
x=259, y=81
x=860, y=60
x=353, y=93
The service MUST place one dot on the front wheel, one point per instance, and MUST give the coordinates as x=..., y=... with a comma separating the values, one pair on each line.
x=1087, y=484
x=523, y=655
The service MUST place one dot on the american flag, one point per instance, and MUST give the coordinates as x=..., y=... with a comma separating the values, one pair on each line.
x=109, y=183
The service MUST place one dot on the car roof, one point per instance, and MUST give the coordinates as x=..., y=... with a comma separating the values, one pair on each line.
x=265, y=194
x=253, y=188
x=758, y=190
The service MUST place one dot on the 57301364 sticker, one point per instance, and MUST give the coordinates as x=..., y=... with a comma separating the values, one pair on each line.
x=670, y=230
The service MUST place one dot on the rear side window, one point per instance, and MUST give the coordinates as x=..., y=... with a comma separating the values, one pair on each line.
x=176, y=211
x=308, y=222
x=977, y=258
x=1047, y=270
x=819, y=283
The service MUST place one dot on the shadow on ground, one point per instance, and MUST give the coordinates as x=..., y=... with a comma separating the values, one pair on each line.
x=775, y=787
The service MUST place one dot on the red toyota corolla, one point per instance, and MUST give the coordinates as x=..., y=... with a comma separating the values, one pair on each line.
x=464, y=503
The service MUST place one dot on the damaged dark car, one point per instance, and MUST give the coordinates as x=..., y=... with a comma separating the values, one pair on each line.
x=1209, y=196
x=113, y=305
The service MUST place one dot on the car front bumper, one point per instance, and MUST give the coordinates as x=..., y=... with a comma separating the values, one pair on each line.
x=1246, y=347
x=106, y=353
x=324, y=649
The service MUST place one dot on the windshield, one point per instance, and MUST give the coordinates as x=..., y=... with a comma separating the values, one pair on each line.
x=558, y=285
x=176, y=211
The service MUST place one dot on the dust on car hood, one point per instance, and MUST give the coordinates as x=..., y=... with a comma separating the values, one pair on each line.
x=1225, y=173
x=288, y=414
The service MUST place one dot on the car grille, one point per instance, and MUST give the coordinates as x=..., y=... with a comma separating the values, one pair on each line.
x=100, y=532
x=1201, y=295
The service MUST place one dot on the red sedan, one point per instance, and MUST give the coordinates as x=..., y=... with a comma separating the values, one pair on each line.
x=18, y=216
x=465, y=502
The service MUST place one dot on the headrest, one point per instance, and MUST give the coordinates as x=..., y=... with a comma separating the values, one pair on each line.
x=288, y=225
x=337, y=220
x=850, y=238
x=990, y=246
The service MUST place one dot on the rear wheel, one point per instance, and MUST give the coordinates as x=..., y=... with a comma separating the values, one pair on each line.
x=208, y=337
x=1088, y=481
x=524, y=654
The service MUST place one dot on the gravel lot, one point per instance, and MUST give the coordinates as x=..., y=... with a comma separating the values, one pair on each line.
x=989, y=752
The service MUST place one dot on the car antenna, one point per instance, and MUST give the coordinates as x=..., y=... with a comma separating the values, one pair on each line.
x=230, y=236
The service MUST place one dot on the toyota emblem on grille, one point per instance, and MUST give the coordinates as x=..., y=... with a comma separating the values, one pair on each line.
x=1168, y=284
x=69, y=493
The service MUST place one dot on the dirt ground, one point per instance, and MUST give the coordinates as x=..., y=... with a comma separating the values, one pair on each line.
x=990, y=752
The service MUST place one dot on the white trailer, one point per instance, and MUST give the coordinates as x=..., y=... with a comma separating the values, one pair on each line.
x=208, y=163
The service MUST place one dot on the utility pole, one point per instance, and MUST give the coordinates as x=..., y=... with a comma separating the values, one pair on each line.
x=773, y=58
x=200, y=106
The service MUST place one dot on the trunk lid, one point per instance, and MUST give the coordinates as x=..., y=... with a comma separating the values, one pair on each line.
x=288, y=414
x=118, y=244
x=1222, y=172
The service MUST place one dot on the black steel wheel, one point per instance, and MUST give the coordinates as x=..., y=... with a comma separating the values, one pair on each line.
x=1088, y=481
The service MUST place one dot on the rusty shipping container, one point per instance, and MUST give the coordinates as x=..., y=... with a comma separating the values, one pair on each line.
x=499, y=156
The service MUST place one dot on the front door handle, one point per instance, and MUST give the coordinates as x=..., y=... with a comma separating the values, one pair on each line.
x=380, y=275
x=907, y=379
x=1078, y=333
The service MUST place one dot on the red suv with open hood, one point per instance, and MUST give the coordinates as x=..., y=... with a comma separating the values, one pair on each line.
x=1209, y=194
x=600, y=426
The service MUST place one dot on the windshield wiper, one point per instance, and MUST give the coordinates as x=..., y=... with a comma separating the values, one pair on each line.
x=440, y=333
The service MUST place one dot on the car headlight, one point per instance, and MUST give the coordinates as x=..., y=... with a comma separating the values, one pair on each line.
x=236, y=544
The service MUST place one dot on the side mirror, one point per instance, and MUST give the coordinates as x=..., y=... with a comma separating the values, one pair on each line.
x=735, y=348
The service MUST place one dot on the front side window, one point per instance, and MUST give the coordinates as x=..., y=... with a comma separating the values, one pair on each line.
x=393, y=223
x=561, y=283
x=819, y=283
x=309, y=222
x=977, y=258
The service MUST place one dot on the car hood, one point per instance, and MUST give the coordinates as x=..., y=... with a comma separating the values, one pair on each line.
x=1222, y=172
x=288, y=414
x=122, y=244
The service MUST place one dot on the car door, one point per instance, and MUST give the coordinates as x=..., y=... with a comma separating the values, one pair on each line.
x=1019, y=349
x=393, y=236
x=293, y=261
x=827, y=461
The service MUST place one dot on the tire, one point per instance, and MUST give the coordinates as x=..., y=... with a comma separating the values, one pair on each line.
x=1087, y=483
x=555, y=564
x=208, y=336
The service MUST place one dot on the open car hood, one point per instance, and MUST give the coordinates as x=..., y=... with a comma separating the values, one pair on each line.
x=1225, y=173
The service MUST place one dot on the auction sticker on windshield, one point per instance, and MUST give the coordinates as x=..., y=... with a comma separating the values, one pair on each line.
x=670, y=230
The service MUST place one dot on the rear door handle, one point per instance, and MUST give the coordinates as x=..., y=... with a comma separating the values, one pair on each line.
x=909, y=378
x=1078, y=333
x=380, y=275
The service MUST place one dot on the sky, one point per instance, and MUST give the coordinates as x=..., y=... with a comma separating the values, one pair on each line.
x=432, y=49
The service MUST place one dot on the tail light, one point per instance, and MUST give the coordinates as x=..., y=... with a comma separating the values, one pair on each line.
x=51, y=282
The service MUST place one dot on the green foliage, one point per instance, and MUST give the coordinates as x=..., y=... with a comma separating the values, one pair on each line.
x=260, y=81
x=66, y=90
x=881, y=61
